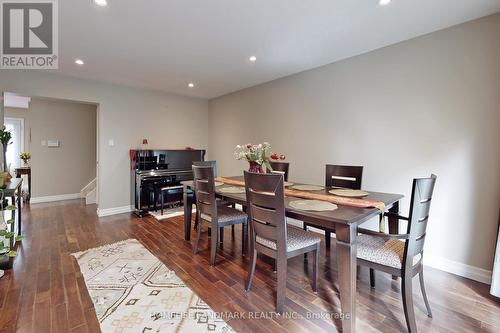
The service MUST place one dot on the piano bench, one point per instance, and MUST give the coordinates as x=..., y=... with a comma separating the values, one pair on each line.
x=168, y=192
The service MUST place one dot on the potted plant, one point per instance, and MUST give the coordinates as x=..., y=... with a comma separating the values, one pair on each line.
x=5, y=137
x=25, y=156
x=255, y=155
x=7, y=235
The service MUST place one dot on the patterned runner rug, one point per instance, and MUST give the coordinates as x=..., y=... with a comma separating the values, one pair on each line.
x=133, y=291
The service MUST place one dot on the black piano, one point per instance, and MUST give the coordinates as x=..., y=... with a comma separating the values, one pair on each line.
x=154, y=170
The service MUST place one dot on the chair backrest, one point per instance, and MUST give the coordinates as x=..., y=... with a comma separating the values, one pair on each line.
x=266, y=207
x=204, y=188
x=212, y=164
x=280, y=167
x=421, y=198
x=345, y=176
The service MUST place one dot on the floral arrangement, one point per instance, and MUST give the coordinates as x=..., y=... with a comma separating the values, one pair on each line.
x=256, y=155
x=25, y=156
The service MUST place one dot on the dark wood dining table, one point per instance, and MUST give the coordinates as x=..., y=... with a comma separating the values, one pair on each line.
x=344, y=220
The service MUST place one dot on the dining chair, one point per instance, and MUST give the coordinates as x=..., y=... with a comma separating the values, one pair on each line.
x=279, y=167
x=345, y=176
x=402, y=254
x=209, y=211
x=213, y=164
x=269, y=233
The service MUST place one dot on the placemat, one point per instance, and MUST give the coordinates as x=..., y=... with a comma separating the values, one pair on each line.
x=313, y=205
x=344, y=192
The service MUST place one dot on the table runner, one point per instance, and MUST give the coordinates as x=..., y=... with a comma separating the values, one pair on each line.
x=353, y=202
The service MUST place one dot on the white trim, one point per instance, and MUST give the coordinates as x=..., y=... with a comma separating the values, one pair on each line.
x=114, y=211
x=89, y=187
x=443, y=264
x=458, y=268
x=50, y=198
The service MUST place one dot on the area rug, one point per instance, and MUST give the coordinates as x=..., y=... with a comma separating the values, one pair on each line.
x=168, y=213
x=133, y=291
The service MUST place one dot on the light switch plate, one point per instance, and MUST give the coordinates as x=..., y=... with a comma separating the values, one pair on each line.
x=53, y=143
x=44, y=143
x=111, y=142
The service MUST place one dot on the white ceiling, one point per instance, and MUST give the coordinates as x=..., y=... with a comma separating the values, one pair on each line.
x=164, y=44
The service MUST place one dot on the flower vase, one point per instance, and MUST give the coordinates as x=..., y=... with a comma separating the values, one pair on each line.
x=255, y=167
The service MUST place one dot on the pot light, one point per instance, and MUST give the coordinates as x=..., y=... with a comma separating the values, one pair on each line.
x=101, y=3
x=79, y=62
x=253, y=58
x=384, y=2
x=191, y=85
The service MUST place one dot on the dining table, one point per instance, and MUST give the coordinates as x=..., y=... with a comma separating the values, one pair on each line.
x=345, y=220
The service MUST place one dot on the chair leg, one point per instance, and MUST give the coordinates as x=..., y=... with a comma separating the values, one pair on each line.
x=244, y=238
x=315, y=269
x=328, y=239
x=213, y=246
x=221, y=239
x=162, y=202
x=424, y=294
x=281, y=289
x=407, y=293
x=253, y=260
x=198, y=234
x=304, y=226
x=372, y=278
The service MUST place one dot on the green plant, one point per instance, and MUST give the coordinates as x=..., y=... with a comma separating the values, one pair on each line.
x=7, y=229
x=5, y=137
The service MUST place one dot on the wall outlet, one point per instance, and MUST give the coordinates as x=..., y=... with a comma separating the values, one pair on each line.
x=44, y=143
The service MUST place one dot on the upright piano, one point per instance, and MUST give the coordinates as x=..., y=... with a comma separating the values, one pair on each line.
x=155, y=169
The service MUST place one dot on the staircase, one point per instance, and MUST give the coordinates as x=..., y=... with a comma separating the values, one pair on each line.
x=89, y=192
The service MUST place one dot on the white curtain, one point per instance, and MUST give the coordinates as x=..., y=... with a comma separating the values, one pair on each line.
x=495, y=278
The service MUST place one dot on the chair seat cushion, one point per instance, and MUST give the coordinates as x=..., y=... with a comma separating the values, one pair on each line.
x=296, y=239
x=227, y=215
x=382, y=251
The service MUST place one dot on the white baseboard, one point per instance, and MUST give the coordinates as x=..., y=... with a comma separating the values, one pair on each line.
x=51, y=198
x=443, y=264
x=458, y=268
x=114, y=211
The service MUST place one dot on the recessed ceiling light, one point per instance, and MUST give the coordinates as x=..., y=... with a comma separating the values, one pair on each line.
x=79, y=62
x=384, y=2
x=191, y=85
x=253, y=58
x=101, y=3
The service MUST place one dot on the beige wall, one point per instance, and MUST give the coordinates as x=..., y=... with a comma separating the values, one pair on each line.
x=430, y=104
x=67, y=169
x=125, y=115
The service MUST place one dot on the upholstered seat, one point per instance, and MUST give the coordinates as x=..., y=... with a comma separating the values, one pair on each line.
x=227, y=214
x=382, y=251
x=296, y=239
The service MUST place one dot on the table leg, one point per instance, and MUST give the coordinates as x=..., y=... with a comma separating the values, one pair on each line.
x=188, y=209
x=394, y=224
x=29, y=186
x=346, y=268
x=19, y=207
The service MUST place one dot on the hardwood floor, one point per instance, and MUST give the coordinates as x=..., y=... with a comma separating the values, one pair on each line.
x=45, y=291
